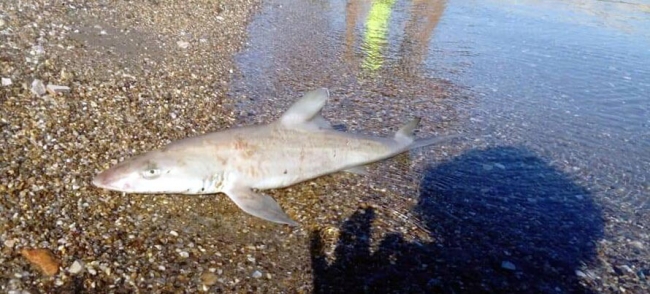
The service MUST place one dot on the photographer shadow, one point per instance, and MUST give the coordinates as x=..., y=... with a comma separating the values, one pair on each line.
x=503, y=221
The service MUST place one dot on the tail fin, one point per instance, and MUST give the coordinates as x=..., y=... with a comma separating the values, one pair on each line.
x=405, y=134
x=431, y=141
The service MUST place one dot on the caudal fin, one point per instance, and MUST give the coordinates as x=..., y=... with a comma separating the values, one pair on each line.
x=431, y=141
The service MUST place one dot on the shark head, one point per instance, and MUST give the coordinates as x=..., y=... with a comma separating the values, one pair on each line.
x=152, y=172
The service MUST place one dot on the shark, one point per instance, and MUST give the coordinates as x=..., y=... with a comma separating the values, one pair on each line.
x=241, y=162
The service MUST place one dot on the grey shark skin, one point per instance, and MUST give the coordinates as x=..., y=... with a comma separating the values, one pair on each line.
x=301, y=145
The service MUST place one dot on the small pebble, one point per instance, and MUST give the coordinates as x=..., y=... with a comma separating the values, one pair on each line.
x=38, y=88
x=183, y=44
x=184, y=254
x=623, y=269
x=54, y=89
x=76, y=267
x=92, y=271
x=10, y=243
x=257, y=274
x=105, y=269
x=37, y=50
x=208, y=278
x=641, y=274
x=43, y=259
x=6, y=82
x=508, y=265
x=637, y=244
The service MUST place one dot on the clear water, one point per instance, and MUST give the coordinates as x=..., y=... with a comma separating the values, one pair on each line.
x=560, y=88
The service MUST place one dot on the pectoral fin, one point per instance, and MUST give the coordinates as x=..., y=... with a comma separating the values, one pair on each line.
x=259, y=205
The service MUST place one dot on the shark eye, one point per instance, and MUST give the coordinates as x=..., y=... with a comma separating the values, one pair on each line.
x=150, y=173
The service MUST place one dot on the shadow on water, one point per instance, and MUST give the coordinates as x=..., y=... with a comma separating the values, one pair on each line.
x=502, y=220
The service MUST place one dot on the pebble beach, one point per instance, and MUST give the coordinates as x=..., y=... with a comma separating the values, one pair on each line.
x=514, y=206
x=87, y=84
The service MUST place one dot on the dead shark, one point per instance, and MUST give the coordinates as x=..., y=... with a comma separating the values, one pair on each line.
x=300, y=146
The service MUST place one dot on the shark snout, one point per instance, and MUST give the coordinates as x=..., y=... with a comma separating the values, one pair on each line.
x=100, y=180
x=114, y=178
x=106, y=179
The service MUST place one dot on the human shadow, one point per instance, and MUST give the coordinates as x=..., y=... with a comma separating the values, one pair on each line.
x=503, y=221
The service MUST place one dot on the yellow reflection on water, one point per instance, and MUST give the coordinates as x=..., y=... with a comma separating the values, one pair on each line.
x=376, y=31
x=422, y=18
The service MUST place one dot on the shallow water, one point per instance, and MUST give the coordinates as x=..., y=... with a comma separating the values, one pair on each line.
x=565, y=74
x=554, y=97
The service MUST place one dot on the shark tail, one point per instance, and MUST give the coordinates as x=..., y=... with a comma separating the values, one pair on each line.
x=405, y=136
x=431, y=141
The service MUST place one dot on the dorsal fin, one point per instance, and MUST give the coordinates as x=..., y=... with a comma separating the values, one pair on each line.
x=305, y=113
x=405, y=134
